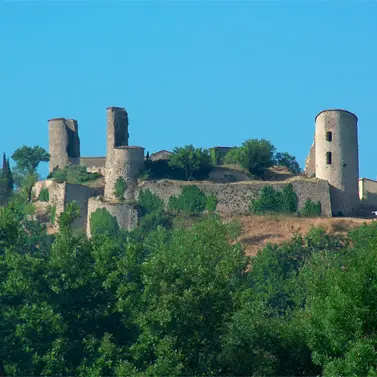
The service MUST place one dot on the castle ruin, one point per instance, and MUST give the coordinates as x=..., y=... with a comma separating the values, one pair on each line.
x=331, y=173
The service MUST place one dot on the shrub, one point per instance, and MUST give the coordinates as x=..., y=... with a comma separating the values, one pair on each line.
x=151, y=221
x=102, y=222
x=311, y=209
x=270, y=200
x=191, y=201
x=150, y=203
x=120, y=188
x=289, y=201
x=44, y=195
x=75, y=174
x=211, y=202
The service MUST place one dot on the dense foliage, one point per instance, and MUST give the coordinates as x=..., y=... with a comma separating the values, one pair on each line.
x=120, y=188
x=175, y=301
x=44, y=195
x=191, y=201
x=183, y=302
x=270, y=200
x=254, y=155
x=191, y=160
x=311, y=209
x=101, y=222
x=257, y=155
x=76, y=174
x=27, y=160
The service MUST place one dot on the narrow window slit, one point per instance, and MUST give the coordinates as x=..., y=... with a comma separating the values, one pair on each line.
x=328, y=158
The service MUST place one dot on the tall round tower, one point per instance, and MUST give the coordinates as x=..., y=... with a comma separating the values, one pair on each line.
x=58, y=143
x=126, y=162
x=337, y=158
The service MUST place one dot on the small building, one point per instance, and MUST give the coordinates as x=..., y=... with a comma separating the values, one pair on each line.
x=368, y=193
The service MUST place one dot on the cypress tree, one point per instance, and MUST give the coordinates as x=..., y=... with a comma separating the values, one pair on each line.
x=10, y=177
x=4, y=172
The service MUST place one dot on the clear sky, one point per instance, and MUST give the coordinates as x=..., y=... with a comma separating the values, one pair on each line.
x=188, y=72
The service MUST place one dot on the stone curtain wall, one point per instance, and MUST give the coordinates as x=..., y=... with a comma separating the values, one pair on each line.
x=126, y=214
x=61, y=194
x=234, y=198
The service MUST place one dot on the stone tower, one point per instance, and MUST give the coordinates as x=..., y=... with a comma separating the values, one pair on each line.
x=117, y=128
x=121, y=160
x=337, y=158
x=64, y=142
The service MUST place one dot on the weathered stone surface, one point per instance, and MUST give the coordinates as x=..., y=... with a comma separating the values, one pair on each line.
x=125, y=213
x=234, y=198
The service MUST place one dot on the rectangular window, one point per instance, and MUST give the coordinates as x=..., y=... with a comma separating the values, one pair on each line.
x=329, y=136
x=328, y=158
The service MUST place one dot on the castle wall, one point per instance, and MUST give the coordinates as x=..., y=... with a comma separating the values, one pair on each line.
x=337, y=160
x=234, y=198
x=61, y=194
x=310, y=162
x=222, y=174
x=126, y=162
x=94, y=164
x=126, y=214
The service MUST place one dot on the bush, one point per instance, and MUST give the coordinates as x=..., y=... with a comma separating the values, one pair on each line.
x=271, y=201
x=75, y=174
x=103, y=223
x=289, y=161
x=211, y=202
x=191, y=201
x=311, y=209
x=149, y=203
x=120, y=188
x=44, y=195
x=151, y=221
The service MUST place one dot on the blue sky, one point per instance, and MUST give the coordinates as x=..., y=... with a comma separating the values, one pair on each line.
x=203, y=72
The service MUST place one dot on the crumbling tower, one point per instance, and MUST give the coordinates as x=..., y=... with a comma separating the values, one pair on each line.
x=337, y=158
x=64, y=142
x=121, y=160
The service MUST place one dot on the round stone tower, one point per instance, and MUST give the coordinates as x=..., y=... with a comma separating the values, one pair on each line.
x=58, y=143
x=125, y=162
x=337, y=158
x=64, y=142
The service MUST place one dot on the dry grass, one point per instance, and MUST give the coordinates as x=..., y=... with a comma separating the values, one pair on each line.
x=258, y=231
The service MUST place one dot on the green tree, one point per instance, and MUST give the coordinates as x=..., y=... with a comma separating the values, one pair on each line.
x=29, y=158
x=27, y=161
x=150, y=203
x=289, y=161
x=190, y=284
x=254, y=155
x=103, y=223
x=190, y=160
